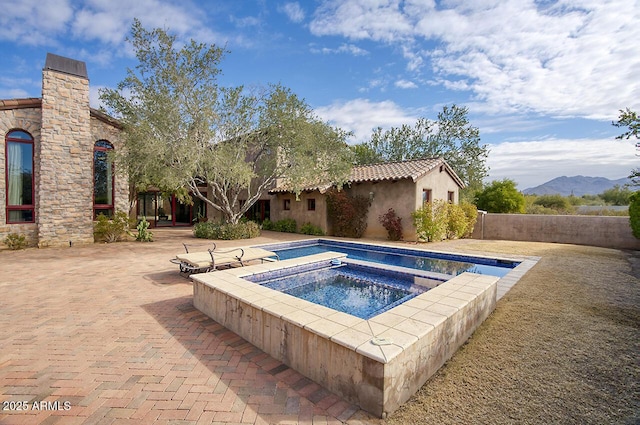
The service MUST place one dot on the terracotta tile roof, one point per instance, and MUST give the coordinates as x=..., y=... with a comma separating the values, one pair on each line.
x=31, y=102
x=411, y=169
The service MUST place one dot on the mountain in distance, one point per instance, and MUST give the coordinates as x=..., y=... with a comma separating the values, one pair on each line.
x=576, y=185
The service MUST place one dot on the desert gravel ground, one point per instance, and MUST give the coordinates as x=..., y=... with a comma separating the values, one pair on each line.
x=562, y=347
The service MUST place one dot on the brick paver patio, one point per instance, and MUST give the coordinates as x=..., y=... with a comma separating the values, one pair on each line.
x=108, y=334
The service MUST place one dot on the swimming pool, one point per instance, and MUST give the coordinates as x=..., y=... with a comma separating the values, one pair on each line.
x=448, y=264
x=362, y=291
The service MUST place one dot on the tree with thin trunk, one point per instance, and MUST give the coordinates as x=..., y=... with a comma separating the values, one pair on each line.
x=631, y=121
x=183, y=131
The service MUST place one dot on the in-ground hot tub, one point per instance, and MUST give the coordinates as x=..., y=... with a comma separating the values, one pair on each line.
x=377, y=363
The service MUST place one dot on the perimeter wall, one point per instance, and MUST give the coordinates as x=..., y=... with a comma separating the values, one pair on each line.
x=603, y=231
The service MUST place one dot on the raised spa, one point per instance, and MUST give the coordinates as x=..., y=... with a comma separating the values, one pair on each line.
x=362, y=291
x=375, y=363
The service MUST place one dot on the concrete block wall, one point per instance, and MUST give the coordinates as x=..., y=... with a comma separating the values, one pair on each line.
x=602, y=231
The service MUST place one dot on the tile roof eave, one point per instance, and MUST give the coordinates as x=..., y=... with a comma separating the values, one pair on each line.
x=30, y=102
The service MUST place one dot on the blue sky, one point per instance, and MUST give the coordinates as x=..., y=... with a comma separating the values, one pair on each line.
x=542, y=79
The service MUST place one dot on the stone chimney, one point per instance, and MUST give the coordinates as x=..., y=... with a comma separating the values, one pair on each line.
x=64, y=198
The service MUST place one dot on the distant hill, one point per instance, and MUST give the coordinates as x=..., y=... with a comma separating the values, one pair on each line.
x=577, y=185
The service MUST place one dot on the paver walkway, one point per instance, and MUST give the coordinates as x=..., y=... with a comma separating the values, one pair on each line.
x=107, y=333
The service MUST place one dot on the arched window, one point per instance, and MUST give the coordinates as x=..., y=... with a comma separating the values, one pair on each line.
x=102, y=179
x=19, y=177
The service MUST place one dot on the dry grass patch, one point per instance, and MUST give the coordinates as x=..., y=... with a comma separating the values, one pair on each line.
x=561, y=347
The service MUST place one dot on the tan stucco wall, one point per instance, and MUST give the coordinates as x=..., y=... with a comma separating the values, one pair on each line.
x=399, y=195
x=404, y=196
x=299, y=211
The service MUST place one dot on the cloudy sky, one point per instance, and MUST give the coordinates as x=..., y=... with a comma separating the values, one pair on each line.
x=543, y=79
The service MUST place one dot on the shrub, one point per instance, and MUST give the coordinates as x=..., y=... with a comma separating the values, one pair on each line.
x=287, y=225
x=267, y=224
x=431, y=221
x=226, y=231
x=144, y=235
x=471, y=213
x=311, y=229
x=113, y=229
x=501, y=197
x=15, y=241
x=558, y=203
x=392, y=223
x=634, y=213
x=457, y=221
x=347, y=214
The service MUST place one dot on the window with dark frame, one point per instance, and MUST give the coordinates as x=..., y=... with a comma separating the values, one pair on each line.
x=103, y=179
x=311, y=204
x=451, y=197
x=19, y=177
x=426, y=196
x=286, y=205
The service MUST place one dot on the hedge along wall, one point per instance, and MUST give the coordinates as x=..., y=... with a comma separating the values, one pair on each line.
x=607, y=232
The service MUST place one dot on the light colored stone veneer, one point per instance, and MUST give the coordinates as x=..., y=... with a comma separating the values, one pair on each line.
x=336, y=349
x=64, y=203
x=64, y=129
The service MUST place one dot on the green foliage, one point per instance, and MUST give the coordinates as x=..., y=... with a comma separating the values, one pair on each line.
x=617, y=195
x=113, y=229
x=451, y=136
x=16, y=241
x=182, y=130
x=440, y=220
x=144, y=234
x=501, y=196
x=347, y=214
x=287, y=225
x=267, y=224
x=471, y=215
x=630, y=119
x=311, y=229
x=392, y=223
x=226, y=231
x=558, y=204
x=430, y=221
x=634, y=214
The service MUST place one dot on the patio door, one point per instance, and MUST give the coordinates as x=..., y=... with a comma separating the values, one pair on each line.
x=167, y=211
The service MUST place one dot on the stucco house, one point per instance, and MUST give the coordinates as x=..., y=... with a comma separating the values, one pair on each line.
x=404, y=186
x=55, y=175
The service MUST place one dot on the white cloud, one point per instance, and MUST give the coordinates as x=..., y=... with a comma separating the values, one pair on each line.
x=351, y=49
x=34, y=22
x=405, y=84
x=531, y=163
x=567, y=58
x=361, y=116
x=293, y=10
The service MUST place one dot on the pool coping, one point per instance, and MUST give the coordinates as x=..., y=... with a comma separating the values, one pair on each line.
x=436, y=321
x=505, y=283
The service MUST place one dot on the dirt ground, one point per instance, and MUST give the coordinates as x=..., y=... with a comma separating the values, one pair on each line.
x=563, y=346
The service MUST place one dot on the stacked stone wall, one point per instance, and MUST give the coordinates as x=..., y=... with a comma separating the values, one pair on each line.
x=29, y=120
x=64, y=200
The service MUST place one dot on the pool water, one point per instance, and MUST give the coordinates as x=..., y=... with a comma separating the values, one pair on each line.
x=358, y=291
x=420, y=260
